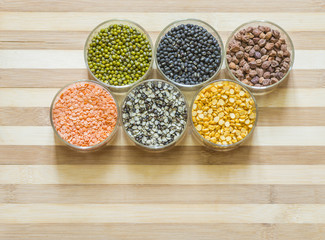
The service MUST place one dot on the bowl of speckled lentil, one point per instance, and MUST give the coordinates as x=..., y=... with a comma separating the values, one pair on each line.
x=118, y=53
x=223, y=114
x=84, y=115
x=189, y=53
x=155, y=115
x=259, y=54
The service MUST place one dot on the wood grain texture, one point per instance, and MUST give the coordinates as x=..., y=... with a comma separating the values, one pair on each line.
x=165, y=6
x=263, y=136
x=162, y=194
x=162, y=174
x=154, y=21
x=162, y=231
x=180, y=155
x=166, y=213
x=273, y=188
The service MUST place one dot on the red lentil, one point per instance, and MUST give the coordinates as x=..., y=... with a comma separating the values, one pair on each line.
x=84, y=114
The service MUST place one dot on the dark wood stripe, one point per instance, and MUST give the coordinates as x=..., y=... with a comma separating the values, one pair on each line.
x=287, y=116
x=68, y=40
x=162, y=6
x=39, y=116
x=161, y=231
x=100, y=194
x=180, y=155
x=57, y=78
x=163, y=194
x=65, y=40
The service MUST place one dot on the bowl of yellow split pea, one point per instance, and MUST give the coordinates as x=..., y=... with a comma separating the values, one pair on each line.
x=223, y=114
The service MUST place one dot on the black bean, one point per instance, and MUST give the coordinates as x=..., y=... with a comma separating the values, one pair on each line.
x=197, y=50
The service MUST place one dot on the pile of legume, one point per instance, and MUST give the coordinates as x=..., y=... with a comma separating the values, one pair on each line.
x=154, y=113
x=223, y=113
x=84, y=114
x=119, y=55
x=258, y=56
x=189, y=54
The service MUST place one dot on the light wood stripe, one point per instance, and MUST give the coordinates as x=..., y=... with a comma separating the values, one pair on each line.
x=161, y=231
x=165, y=6
x=41, y=59
x=52, y=78
x=64, y=59
x=162, y=174
x=48, y=77
x=75, y=40
x=263, y=136
x=282, y=97
x=24, y=116
x=162, y=213
x=39, y=116
x=180, y=155
x=85, y=21
x=163, y=194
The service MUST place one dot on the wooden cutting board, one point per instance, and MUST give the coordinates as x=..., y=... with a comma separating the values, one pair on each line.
x=272, y=188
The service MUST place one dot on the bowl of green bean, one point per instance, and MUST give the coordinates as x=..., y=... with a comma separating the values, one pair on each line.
x=119, y=54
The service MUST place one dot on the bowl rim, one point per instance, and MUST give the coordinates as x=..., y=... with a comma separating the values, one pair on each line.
x=221, y=146
x=124, y=22
x=98, y=145
x=292, y=57
x=200, y=23
x=161, y=147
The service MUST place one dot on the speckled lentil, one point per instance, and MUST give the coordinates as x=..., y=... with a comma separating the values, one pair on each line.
x=223, y=113
x=154, y=113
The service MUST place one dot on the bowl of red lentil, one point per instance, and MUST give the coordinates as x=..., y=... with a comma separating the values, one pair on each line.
x=223, y=114
x=84, y=115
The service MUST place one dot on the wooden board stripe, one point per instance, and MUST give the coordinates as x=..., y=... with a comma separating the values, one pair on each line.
x=57, y=78
x=166, y=6
x=263, y=136
x=180, y=155
x=65, y=59
x=85, y=21
x=162, y=174
x=75, y=40
x=278, y=116
x=162, y=213
x=282, y=97
x=161, y=231
x=162, y=194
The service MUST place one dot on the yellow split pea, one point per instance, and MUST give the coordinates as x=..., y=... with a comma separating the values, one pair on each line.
x=223, y=113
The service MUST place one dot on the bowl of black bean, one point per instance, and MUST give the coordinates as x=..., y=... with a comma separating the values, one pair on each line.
x=118, y=53
x=155, y=115
x=189, y=53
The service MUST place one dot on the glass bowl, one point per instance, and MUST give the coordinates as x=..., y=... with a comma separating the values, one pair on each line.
x=88, y=148
x=211, y=30
x=220, y=147
x=106, y=24
x=264, y=89
x=162, y=147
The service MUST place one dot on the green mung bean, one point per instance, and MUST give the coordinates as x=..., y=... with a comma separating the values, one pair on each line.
x=119, y=55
